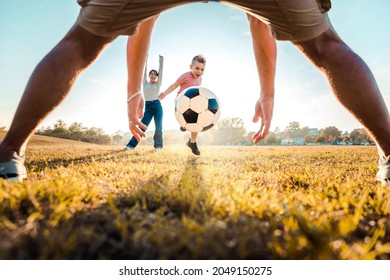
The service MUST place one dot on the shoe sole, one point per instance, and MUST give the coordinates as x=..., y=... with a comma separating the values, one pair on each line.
x=385, y=183
x=19, y=178
x=15, y=177
x=13, y=170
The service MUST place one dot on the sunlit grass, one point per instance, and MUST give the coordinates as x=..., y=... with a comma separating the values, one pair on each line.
x=95, y=202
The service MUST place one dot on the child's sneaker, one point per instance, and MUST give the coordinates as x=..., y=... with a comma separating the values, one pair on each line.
x=13, y=170
x=193, y=147
x=383, y=174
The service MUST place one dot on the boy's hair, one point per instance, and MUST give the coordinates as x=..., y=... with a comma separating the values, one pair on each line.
x=199, y=58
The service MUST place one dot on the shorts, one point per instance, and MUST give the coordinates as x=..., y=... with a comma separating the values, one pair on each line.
x=293, y=20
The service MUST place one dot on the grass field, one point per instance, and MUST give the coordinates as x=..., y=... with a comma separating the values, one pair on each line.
x=86, y=201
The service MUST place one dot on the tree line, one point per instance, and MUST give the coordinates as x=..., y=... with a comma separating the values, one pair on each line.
x=76, y=131
x=327, y=135
x=228, y=131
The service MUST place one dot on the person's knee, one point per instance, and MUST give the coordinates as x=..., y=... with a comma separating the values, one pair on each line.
x=87, y=45
x=323, y=47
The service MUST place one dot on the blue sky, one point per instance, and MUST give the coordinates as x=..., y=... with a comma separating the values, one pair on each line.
x=29, y=29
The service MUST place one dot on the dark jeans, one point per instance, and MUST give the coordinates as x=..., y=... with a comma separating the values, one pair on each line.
x=152, y=109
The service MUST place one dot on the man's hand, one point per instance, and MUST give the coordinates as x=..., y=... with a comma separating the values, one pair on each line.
x=263, y=110
x=135, y=109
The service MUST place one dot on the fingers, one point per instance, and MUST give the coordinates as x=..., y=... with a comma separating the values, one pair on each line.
x=258, y=112
x=263, y=131
x=135, y=112
x=264, y=114
x=258, y=136
x=137, y=129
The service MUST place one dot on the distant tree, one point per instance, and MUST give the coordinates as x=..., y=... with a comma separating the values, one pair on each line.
x=304, y=131
x=365, y=135
x=320, y=139
x=360, y=134
x=292, y=130
x=76, y=132
x=229, y=131
x=309, y=139
x=248, y=137
x=117, y=138
x=60, y=130
x=271, y=139
x=96, y=135
x=355, y=135
x=330, y=133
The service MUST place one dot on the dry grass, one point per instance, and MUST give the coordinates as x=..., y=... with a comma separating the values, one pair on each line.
x=85, y=201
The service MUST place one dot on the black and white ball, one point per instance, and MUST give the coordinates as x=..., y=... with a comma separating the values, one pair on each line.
x=197, y=109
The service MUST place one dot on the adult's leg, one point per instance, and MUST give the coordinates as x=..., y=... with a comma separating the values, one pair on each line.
x=49, y=84
x=352, y=83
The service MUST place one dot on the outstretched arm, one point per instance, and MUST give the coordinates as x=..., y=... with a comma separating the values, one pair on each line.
x=137, y=49
x=168, y=90
x=264, y=48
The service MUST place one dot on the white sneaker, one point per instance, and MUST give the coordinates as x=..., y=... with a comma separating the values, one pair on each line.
x=13, y=170
x=383, y=174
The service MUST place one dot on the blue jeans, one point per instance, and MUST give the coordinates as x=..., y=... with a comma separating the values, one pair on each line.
x=152, y=109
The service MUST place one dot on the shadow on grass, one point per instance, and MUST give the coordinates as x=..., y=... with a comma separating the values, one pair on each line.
x=159, y=221
x=40, y=165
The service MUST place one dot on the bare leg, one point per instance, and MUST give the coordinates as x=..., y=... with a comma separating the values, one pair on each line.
x=352, y=83
x=49, y=84
x=194, y=136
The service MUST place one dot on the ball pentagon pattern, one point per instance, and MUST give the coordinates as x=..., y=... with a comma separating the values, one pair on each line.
x=197, y=109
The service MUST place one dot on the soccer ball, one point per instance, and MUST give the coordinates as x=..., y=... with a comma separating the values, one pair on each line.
x=197, y=109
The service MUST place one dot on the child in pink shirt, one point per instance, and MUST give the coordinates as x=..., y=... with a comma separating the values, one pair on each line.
x=189, y=79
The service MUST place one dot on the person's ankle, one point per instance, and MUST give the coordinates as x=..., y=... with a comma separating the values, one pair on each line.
x=382, y=153
x=6, y=155
x=9, y=149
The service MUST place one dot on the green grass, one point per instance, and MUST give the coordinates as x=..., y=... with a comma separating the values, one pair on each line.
x=93, y=202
